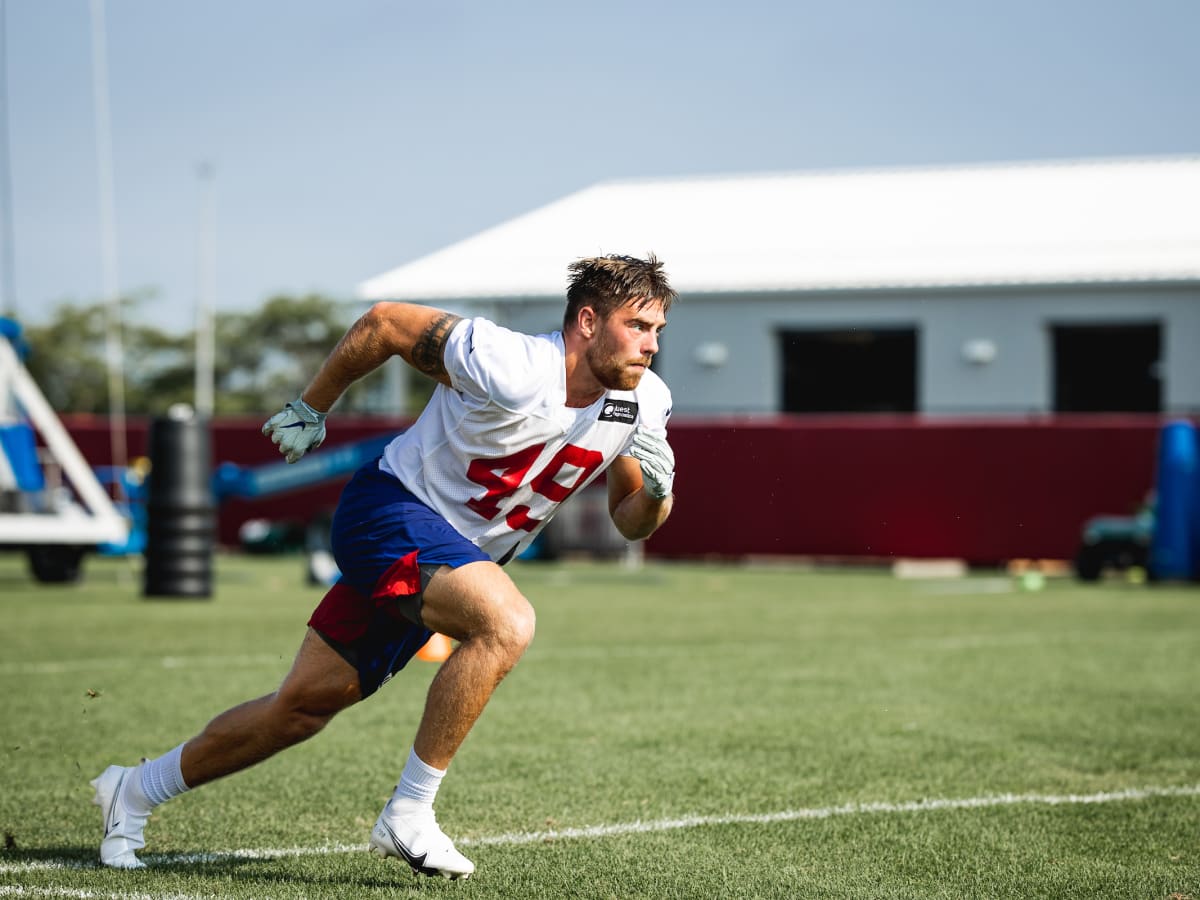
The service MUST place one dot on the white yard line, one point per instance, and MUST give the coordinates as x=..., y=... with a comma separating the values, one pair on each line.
x=602, y=831
x=827, y=812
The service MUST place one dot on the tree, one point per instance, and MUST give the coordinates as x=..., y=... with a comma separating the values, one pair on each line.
x=271, y=353
x=262, y=358
x=67, y=358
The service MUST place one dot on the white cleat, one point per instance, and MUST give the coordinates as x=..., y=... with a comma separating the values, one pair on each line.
x=122, y=828
x=408, y=830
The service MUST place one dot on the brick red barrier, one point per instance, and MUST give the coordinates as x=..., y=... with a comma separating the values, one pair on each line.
x=984, y=491
x=845, y=486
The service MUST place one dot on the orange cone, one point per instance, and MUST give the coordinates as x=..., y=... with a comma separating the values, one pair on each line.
x=436, y=649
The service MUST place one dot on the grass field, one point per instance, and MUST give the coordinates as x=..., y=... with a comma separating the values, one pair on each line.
x=679, y=731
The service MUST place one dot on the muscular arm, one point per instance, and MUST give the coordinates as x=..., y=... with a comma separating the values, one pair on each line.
x=636, y=514
x=417, y=333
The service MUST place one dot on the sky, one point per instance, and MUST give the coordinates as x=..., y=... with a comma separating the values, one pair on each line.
x=346, y=138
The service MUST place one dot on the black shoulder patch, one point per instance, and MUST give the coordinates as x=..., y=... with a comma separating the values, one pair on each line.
x=623, y=411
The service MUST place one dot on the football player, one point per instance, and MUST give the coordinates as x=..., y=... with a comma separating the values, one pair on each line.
x=516, y=425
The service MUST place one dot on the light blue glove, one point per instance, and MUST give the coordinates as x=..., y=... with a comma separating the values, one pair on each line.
x=297, y=429
x=657, y=461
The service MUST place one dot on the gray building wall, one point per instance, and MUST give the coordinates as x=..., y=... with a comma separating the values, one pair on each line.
x=1017, y=322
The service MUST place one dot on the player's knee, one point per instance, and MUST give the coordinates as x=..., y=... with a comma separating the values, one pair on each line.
x=523, y=624
x=479, y=605
x=512, y=630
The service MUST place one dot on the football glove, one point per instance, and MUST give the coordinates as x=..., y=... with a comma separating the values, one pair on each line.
x=657, y=461
x=297, y=429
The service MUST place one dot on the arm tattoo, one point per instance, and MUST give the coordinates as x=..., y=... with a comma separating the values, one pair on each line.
x=427, y=352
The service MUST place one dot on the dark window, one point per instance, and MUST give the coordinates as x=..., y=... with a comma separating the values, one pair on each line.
x=1107, y=368
x=853, y=370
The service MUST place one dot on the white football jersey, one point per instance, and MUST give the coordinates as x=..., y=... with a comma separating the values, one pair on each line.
x=498, y=452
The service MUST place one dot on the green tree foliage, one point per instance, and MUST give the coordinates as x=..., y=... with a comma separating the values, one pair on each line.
x=67, y=358
x=268, y=356
x=262, y=358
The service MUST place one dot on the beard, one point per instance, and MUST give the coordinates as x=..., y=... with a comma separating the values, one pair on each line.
x=613, y=371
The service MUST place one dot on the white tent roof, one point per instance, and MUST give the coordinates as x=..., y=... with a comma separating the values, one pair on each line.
x=1032, y=223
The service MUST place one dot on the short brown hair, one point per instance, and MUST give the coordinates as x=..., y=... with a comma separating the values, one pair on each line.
x=607, y=283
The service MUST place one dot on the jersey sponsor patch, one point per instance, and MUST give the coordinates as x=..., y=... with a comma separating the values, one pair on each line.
x=623, y=411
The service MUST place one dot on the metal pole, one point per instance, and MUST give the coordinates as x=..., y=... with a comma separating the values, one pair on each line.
x=205, y=301
x=7, y=261
x=114, y=350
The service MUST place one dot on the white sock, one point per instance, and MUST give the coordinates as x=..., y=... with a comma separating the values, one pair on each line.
x=419, y=781
x=162, y=778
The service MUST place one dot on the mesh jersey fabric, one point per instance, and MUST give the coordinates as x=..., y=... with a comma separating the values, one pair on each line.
x=499, y=450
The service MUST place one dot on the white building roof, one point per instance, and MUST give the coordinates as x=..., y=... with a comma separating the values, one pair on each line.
x=1106, y=221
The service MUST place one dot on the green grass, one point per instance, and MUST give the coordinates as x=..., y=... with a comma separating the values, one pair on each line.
x=679, y=690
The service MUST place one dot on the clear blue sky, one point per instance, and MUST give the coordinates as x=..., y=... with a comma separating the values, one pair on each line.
x=349, y=137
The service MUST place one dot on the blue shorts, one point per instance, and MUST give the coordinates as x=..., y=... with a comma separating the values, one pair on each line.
x=387, y=544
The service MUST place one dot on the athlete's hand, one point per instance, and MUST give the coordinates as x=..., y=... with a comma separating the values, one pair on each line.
x=657, y=460
x=297, y=429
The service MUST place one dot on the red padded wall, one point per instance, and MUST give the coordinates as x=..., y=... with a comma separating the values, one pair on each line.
x=980, y=490
x=983, y=491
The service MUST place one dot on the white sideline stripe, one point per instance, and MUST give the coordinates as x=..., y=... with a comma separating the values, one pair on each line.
x=848, y=809
x=638, y=827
